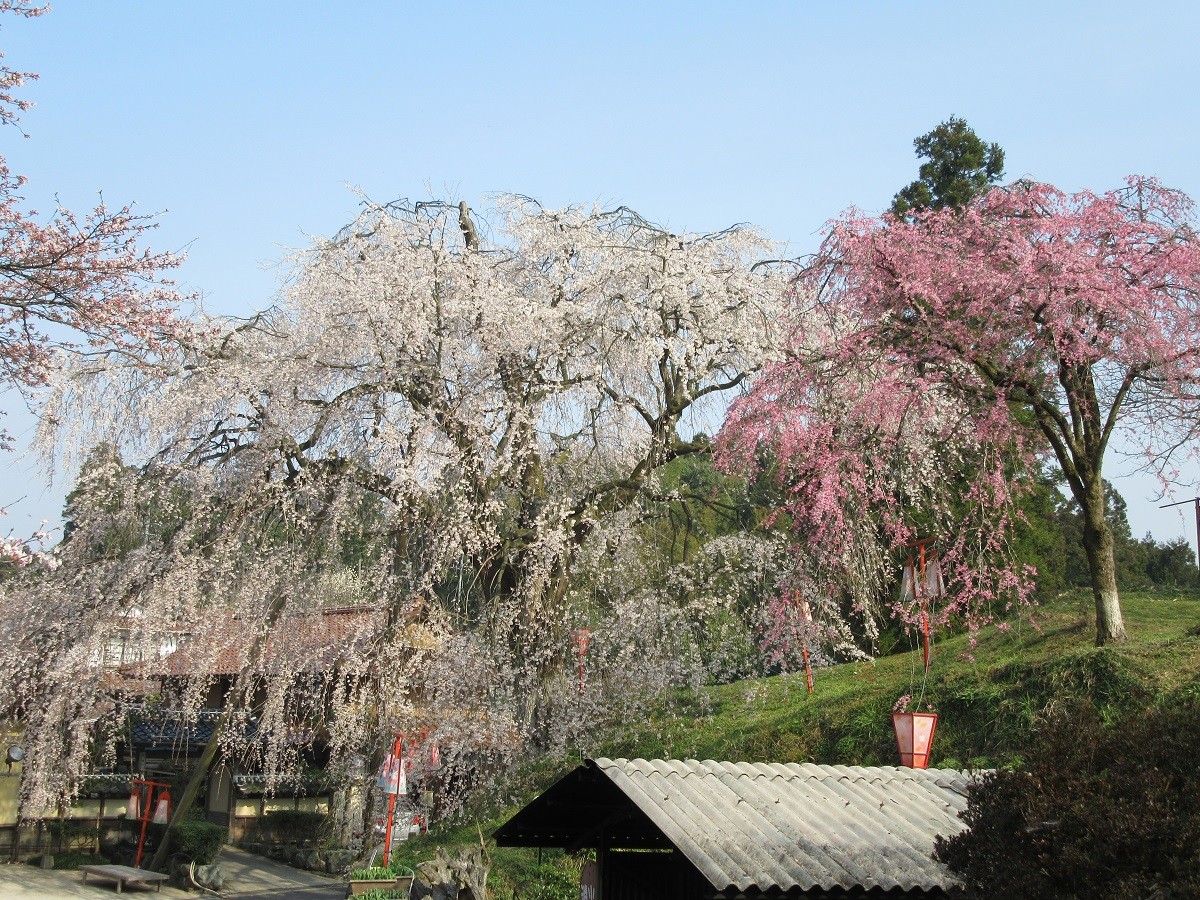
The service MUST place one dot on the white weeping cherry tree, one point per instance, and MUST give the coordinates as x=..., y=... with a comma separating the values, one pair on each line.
x=428, y=429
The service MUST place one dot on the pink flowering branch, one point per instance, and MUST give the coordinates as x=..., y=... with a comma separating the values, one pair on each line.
x=72, y=282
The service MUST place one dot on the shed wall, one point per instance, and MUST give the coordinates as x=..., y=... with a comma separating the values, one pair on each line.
x=650, y=875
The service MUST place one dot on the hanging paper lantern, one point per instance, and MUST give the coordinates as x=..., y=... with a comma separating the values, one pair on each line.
x=386, y=774
x=162, y=810
x=392, y=776
x=134, y=808
x=914, y=737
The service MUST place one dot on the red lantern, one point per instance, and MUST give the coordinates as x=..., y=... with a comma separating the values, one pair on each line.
x=162, y=809
x=583, y=639
x=914, y=737
x=141, y=801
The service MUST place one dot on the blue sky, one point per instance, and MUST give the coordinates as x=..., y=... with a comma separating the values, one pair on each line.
x=247, y=122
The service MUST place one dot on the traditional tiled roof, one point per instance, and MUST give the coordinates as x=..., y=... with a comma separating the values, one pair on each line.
x=759, y=828
x=165, y=734
x=304, y=642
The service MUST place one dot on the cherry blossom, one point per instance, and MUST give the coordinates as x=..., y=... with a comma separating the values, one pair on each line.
x=961, y=341
x=436, y=430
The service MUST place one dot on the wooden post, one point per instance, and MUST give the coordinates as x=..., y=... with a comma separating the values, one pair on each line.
x=184, y=803
x=397, y=747
x=145, y=801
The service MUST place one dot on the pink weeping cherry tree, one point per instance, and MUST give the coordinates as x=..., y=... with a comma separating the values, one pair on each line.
x=957, y=343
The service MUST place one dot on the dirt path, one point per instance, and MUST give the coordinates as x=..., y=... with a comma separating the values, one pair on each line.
x=248, y=876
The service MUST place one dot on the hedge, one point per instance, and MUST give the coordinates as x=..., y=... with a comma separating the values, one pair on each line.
x=198, y=840
x=294, y=825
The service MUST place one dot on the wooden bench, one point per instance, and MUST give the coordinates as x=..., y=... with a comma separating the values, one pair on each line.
x=124, y=875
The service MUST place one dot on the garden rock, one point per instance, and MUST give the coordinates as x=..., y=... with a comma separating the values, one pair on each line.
x=211, y=877
x=339, y=861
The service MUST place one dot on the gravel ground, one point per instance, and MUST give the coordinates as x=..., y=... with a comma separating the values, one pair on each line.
x=247, y=877
x=18, y=880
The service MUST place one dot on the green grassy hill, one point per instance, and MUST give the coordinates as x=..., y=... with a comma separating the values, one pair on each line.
x=989, y=698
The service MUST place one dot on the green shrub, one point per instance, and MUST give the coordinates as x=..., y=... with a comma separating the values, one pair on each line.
x=199, y=841
x=1096, y=810
x=74, y=859
x=294, y=825
x=519, y=874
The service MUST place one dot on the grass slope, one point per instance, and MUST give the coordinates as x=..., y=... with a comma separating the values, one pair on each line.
x=989, y=698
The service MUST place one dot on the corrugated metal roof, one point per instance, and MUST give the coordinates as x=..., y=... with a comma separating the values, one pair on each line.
x=786, y=826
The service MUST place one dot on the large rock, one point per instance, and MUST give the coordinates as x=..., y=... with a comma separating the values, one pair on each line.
x=178, y=875
x=211, y=877
x=339, y=861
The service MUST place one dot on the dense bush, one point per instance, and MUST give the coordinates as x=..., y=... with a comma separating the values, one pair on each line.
x=72, y=834
x=294, y=826
x=198, y=840
x=1097, y=810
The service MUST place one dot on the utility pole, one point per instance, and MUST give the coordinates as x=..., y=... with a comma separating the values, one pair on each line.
x=1196, y=501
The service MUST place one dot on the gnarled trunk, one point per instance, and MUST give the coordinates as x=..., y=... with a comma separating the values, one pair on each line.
x=463, y=877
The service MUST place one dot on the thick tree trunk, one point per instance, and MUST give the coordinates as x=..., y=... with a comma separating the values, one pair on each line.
x=183, y=804
x=239, y=694
x=1099, y=545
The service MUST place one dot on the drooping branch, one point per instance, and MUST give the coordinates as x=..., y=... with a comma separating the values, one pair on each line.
x=440, y=423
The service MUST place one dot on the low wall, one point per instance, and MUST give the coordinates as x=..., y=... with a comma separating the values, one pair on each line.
x=106, y=816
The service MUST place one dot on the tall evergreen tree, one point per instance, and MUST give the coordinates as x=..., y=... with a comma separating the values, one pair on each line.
x=958, y=167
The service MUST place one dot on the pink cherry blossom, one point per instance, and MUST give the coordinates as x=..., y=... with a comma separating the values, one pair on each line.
x=931, y=356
